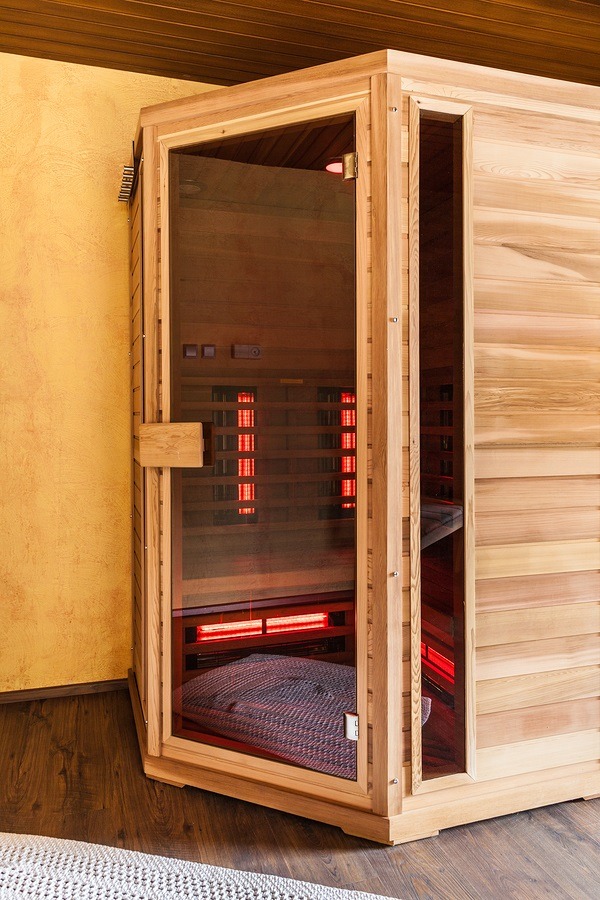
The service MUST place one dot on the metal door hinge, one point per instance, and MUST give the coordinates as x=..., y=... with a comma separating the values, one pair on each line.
x=350, y=166
x=351, y=726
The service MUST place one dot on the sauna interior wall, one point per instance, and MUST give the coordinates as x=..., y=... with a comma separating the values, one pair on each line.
x=536, y=179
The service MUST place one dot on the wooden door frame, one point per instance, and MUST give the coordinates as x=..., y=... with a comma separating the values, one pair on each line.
x=464, y=113
x=168, y=746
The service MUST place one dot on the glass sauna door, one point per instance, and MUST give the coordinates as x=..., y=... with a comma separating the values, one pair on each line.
x=262, y=333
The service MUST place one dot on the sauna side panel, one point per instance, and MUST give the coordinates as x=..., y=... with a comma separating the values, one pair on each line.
x=137, y=405
x=152, y=380
x=537, y=440
x=537, y=333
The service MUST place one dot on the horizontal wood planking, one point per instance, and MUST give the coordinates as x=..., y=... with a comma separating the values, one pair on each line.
x=235, y=43
x=521, y=161
x=516, y=328
x=535, y=525
x=460, y=790
x=538, y=754
x=495, y=495
x=513, y=396
x=534, y=590
x=536, y=359
x=528, y=657
x=523, y=196
x=528, y=462
x=537, y=558
x=536, y=722
x=525, y=429
x=230, y=309
x=533, y=363
x=537, y=689
x=557, y=356
x=539, y=265
x=306, y=344
x=531, y=624
x=535, y=129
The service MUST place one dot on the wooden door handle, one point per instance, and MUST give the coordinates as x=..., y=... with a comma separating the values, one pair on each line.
x=173, y=444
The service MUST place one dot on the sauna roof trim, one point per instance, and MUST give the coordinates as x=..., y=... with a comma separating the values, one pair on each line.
x=528, y=92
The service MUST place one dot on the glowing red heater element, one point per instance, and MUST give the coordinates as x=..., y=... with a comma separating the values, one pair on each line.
x=305, y=622
x=348, y=420
x=439, y=663
x=442, y=663
x=222, y=631
x=245, y=419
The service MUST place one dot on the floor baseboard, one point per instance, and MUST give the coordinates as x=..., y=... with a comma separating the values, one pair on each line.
x=63, y=690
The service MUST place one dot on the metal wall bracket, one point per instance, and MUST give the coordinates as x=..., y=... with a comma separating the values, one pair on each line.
x=128, y=179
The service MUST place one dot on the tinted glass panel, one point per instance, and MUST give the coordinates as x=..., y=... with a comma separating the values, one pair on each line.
x=263, y=349
x=442, y=441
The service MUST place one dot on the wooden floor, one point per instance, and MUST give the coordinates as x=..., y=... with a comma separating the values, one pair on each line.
x=70, y=768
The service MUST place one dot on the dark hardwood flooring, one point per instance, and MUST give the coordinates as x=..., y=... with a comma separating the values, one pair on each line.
x=70, y=768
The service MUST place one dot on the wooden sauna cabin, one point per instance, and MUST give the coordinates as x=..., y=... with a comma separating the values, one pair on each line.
x=366, y=443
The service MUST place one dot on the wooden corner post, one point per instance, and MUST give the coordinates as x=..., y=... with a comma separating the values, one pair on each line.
x=387, y=442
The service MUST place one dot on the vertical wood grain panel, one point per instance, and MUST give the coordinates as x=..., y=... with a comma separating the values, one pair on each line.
x=386, y=133
x=414, y=144
x=151, y=414
x=363, y=401
x=138, y=573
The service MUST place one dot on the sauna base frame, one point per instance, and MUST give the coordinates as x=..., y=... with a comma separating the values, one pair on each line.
x=411, y=825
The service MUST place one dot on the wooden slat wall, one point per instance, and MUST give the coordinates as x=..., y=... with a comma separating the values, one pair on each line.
x=537, y=439
x=228, y=42
x=137, y=405
x=535, y=528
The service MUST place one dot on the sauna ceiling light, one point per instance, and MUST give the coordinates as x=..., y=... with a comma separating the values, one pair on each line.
x=336, y=166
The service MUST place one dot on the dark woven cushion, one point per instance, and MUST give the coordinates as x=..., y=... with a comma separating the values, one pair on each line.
x=291, y=707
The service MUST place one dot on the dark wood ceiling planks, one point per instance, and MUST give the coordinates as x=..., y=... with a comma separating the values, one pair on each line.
x=230, y=42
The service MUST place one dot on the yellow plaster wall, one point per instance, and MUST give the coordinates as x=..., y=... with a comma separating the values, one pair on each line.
x=65, y=598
